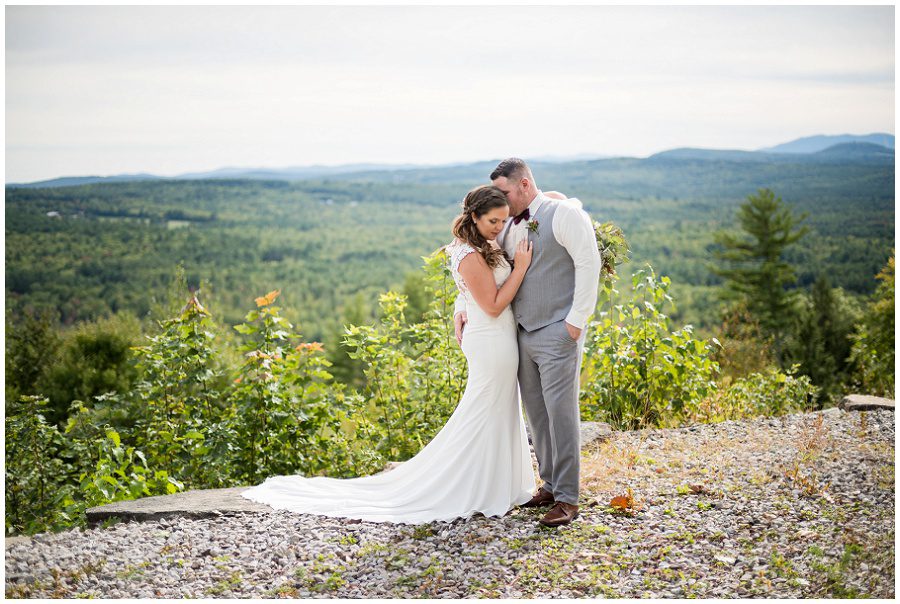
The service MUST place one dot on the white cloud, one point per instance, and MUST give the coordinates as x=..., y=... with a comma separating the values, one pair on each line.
x=176, y=89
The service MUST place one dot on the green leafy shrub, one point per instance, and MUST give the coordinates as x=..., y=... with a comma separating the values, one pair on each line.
x=120, y=473
x=415, y=373
x=81, y=362
x=178, y=400
x=769, y=393
x=381, y=348
x=637, y=372
x=438, y=374
x=35, y=471
x=744, y=349
x=283, y=400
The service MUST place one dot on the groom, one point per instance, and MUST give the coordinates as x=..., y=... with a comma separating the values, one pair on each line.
x=552, y=308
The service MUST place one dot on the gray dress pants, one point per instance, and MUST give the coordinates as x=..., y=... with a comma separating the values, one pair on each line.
x=549, y=370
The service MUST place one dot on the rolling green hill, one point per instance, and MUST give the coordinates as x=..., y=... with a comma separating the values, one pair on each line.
x=114, y=246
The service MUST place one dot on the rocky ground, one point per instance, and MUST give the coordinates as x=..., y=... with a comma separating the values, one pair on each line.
x=799, y=506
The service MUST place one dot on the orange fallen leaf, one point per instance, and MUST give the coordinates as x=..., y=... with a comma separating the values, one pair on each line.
x=621, y=502
x=625, y=503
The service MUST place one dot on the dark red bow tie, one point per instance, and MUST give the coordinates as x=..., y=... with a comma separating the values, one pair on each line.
x=523, y=216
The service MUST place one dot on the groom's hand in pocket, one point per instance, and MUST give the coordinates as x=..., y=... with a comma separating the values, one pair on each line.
x=574, y=332
x=459, y=322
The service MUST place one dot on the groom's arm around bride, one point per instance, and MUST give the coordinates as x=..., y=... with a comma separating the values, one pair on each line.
x=459, y=309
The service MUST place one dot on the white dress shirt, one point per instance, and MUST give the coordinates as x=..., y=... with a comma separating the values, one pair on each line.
x=573, y=229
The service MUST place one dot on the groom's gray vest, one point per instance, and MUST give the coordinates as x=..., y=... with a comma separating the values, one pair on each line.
x=547, y=292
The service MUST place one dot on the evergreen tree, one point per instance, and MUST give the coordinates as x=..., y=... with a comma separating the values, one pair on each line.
x=31, y=345
x=754, y=269
x=873, y=343
x=821, y=342
x=91, y=359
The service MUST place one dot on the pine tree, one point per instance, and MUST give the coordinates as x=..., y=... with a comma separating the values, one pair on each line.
x=31, y=347
x=755, y=272
x=874, y=346
x=821, y=341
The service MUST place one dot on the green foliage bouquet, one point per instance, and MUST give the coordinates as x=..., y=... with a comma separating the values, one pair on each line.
x=613, y=248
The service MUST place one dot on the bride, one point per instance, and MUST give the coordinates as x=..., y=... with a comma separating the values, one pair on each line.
x=479, y=461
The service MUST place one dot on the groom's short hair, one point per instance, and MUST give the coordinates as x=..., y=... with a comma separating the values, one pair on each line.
x=512, y=168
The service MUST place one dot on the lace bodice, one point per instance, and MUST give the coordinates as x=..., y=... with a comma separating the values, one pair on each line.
x=456, y=252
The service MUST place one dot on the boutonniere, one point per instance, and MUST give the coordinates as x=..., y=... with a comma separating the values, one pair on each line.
x=533, y=226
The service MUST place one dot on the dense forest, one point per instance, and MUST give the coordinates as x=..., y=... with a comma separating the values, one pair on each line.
x=144, y=356
x=90, y=250
x=115, y=247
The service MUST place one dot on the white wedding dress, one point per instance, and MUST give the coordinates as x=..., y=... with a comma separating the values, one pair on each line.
x=478, y=462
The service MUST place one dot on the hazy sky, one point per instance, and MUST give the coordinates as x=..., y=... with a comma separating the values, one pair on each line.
x=107, y=90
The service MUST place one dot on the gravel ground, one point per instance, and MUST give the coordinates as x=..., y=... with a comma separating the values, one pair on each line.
x=798, y=506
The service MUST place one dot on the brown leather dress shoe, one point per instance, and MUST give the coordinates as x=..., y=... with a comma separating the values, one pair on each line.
x=559, y=514
x=541, y=498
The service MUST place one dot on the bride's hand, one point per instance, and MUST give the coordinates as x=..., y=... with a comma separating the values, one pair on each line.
x=523, y=254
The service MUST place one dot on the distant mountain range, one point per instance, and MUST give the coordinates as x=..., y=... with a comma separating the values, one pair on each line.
x=854, y=152
x=295, y=173
x=845, y=148
x=813, y=144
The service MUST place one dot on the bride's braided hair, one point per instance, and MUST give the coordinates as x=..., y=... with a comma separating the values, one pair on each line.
x=480, y=201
